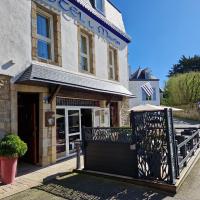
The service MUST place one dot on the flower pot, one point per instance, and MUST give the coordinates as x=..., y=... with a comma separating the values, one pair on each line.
x=8, y=169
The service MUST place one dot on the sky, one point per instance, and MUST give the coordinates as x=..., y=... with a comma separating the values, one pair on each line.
x=162, y=31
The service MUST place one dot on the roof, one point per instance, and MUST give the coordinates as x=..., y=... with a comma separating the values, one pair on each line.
x=142, y=74
x=53, y=75
x=87, y=8
x=101, y=18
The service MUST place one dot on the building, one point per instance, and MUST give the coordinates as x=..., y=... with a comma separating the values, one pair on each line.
x=137, y=81
x=63, y=65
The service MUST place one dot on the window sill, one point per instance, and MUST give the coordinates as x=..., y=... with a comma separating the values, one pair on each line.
x=51, y=62
x=86, y=72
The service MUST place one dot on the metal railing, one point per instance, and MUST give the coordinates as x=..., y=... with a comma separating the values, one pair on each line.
x=187, y=144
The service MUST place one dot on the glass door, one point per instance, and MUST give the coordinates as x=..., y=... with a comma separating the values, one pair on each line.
x=60, y=133
x=74, y=128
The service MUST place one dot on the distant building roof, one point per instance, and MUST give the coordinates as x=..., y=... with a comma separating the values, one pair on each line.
x=142, y=74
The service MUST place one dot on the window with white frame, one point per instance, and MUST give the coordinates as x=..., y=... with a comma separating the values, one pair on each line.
x=111, y=64
x=84, y=52
x=45, y=46
x=146, y=97
x=98, y=5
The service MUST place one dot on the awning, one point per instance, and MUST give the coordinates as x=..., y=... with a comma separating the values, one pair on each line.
x=149, y=107
x=50, y=75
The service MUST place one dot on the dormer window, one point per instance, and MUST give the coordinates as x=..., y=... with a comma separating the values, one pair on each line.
x=98, y=5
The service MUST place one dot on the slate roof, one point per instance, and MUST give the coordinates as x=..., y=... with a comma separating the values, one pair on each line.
x=142, y=74
x=50, y=75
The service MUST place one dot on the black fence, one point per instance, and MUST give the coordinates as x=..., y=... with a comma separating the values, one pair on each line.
x=155, y=144
x=188, y=142
x=151, y=149
x=110, y=150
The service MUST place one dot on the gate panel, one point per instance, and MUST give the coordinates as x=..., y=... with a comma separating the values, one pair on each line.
x=155, y=141
x=110, y=150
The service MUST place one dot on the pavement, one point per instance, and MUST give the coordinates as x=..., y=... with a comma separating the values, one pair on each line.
x=74, y=186
x=186, y=123
x=30, y=176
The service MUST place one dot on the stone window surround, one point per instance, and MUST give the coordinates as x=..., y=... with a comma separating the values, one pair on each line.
x=36, y=8
x=84, y=31
x=116, y=63
x=49, y=40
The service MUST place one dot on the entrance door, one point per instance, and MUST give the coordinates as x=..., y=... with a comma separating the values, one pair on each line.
x=61, y=133
x=28, y=124
x=74, y=128
x=86, y=118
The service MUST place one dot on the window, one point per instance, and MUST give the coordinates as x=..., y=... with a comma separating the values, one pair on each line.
x=98, y=4
x=154, y=94
x=86, y=52
x=111, y=65
x=112, y=69
x=45, y=36
x=145, y=97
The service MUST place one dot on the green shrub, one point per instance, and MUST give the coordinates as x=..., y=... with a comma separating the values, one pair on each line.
x=12, y=146
x=183, y=89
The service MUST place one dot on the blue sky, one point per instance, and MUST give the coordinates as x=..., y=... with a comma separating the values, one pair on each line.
x=162, y=31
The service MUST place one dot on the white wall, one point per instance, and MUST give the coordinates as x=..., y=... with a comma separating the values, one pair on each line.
x=135, y=88
x=114, y=16
x=15, y=42
x=15, y=36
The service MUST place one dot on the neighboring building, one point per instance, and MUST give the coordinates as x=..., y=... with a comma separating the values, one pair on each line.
x=63, y=65
x=136, y=82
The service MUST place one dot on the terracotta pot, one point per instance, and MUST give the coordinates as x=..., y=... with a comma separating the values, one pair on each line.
x=8, y=169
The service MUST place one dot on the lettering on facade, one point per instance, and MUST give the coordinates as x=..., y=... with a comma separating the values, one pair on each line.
x=68, y=9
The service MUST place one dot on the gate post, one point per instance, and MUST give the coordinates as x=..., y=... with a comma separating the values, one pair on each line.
x=172, y=160
x=78, y=153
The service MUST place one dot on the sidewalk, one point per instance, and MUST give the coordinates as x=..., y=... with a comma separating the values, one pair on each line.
x=35, y=178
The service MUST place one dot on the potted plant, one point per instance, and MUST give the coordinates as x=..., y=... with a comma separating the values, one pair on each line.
x=11, y=148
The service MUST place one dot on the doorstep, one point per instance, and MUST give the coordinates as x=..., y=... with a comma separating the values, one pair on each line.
x=37, y=177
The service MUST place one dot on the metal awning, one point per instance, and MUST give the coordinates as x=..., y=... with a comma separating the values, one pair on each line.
x=50, y=75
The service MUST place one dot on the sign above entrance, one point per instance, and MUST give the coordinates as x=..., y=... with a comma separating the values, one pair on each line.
x=69, y=10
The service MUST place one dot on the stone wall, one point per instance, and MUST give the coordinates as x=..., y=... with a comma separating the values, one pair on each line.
x=4, y=105
x=124, y=112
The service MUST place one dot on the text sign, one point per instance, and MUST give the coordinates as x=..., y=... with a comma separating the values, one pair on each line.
x=70, y=10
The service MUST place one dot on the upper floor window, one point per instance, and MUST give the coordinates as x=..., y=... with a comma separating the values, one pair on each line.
x=99, y=5
x=113, y=65
x=86, y=52
x=45, y=36
x=146, y=97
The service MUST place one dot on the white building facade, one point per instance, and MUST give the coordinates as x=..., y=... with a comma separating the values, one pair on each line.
x=137, y=80
x=63, y=65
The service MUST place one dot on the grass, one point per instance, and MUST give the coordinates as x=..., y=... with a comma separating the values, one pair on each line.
x=190, y=112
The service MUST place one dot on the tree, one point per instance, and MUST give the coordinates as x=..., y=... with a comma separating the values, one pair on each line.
x=186, y=65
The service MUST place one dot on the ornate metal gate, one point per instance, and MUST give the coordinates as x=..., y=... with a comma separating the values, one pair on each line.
x=155, y=144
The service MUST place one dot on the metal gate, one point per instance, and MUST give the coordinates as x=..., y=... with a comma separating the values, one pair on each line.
x=147, y=150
